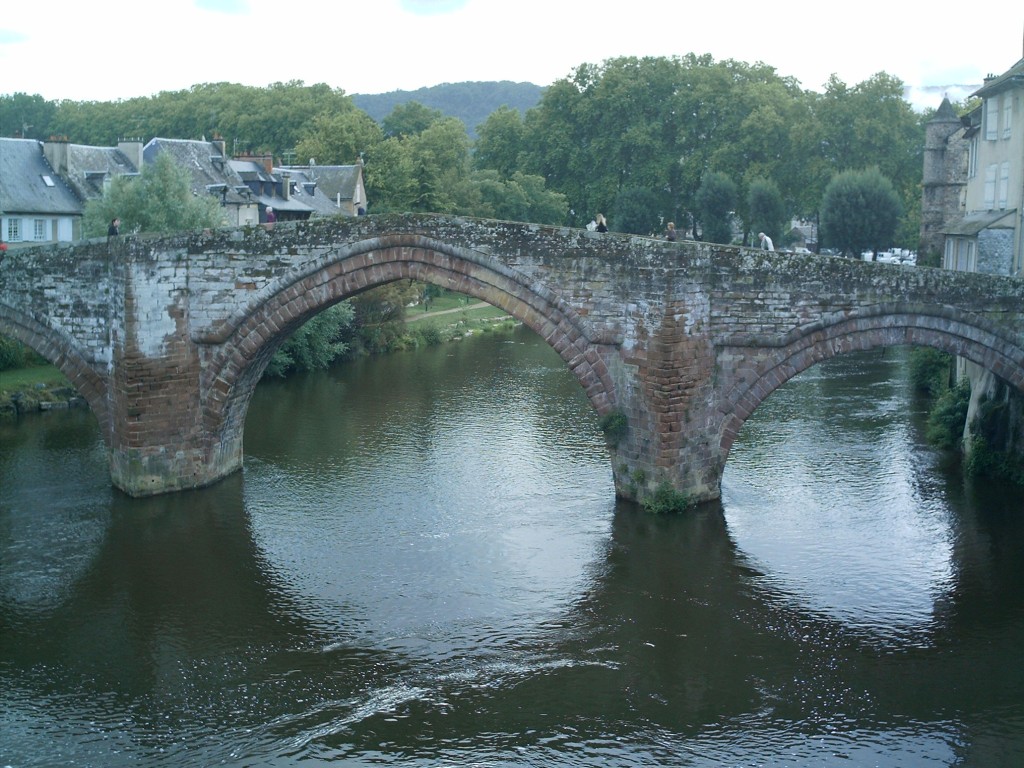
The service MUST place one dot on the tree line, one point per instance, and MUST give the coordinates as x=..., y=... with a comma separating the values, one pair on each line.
x=687, y=139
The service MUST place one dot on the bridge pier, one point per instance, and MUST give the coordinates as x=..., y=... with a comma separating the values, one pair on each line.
x=664, y=388
x=161, y=438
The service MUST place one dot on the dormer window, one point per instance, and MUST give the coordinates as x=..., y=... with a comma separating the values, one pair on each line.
x=47, y=181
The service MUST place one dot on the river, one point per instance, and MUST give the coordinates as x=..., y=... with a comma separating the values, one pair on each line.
x=423, y=564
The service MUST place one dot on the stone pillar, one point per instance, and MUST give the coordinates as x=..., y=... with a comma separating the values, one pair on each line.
x=158, y=440
x=674, y=429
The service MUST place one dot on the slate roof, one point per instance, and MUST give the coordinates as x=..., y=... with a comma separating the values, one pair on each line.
x=307, y=189
x=973, y=223
x=23, y=189
x=332, y=180
x=88, y=167
x=254, y=171
x=212, y=173
x=1011, y=78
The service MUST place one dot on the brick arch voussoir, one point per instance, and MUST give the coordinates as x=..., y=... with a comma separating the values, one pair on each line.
x=234, y=369
x=778, y=365
x=63, y=353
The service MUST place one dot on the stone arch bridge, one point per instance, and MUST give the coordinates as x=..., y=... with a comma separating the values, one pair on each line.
x=166, y=337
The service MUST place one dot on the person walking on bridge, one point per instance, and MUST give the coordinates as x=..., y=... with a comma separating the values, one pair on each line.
x=766, y=242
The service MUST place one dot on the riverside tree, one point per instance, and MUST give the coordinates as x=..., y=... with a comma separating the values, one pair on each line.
x=859, y=211
x=159, y=199
x=716, y=200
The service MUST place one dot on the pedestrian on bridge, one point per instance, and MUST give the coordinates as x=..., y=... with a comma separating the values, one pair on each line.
x=766, y=242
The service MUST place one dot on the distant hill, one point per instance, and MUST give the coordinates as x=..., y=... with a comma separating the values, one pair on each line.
x=471, y=102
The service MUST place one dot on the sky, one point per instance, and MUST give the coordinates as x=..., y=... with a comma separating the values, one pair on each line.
x=107, y=50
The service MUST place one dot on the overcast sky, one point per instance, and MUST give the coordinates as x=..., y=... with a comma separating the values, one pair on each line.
x=117, y=49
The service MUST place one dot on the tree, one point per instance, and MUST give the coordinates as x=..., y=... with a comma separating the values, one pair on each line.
x=637, y=211
x=159, y=200
x=859, y=211
x=716, y=200
x=499, y=141
x=765, y=210
x=338, y=139
x=410, y=119
x=26, y=116
x=316, y=345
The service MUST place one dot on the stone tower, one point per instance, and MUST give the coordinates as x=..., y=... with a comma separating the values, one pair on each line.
x=944, y=180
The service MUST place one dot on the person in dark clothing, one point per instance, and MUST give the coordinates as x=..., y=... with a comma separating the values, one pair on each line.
x=602, y=225
x=670, y=231
x=115, y=227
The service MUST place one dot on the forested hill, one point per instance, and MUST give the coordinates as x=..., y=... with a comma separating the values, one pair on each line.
x=471, y=102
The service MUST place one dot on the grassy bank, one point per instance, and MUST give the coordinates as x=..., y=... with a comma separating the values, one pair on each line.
x=33, y=388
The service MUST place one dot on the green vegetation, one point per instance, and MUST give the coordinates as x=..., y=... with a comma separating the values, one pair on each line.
x=948, y=416
x=632, y=137
x=991, y=428
x=666, y=500
x=316, y=344
x=931, y=370
x=716, y=200
x=615, y=425
x=860, y=211
x=26, y=386
x=159, y=200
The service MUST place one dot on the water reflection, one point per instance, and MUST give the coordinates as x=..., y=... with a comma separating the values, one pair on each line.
x=422, y=564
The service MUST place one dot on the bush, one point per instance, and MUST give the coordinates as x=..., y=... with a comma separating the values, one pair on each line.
x=315, y=345
x=946, y=421
x=666, y=500
x=930, y=370
x=12, y=354
x=614, y=424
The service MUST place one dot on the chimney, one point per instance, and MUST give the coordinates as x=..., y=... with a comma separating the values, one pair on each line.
x=286, y=185
x=132, y=149
x=55, y=150
x=220, y=144
x=268, y=164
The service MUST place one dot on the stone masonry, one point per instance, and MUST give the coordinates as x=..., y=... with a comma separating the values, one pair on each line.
x=166, y=338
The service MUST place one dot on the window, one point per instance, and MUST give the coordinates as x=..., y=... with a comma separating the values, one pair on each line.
x=1004, y=184
x=972, y=158
x=1007, y=114
x=990, y=187
x=991, y=119
x=13, y=230
x=39, y=229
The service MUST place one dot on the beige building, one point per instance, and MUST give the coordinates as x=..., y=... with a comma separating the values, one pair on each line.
x=988, y=235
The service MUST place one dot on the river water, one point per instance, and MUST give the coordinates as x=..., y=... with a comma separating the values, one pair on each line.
x=423, y=564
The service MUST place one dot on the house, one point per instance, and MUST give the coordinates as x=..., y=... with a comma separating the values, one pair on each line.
x=987, y=234
x=342, y=184
x=89, y=170
x=36, y=205
x=270, y=189
x=211, y=173
x=974, y=180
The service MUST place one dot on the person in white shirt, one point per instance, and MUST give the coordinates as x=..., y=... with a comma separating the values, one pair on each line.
x=766, y=242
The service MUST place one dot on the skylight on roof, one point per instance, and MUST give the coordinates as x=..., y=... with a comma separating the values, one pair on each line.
x=47, y=180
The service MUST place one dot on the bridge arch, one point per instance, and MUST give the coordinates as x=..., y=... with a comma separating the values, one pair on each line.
x=241, y=348
x=947, y=329
x=61, y=350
